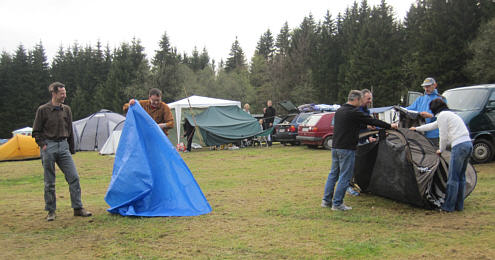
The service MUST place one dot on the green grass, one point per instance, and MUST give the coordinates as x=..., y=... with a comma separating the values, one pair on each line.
x=266, y=205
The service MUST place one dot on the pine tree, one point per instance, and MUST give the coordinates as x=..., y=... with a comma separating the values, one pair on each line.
x=20, y=109
x=266, y=46
x=301, y=55
x=236, y=59
x=7, y=98
x=40, y=76
x=481, y=67
x=326, y=66
x=283, y=40
x=165, y=72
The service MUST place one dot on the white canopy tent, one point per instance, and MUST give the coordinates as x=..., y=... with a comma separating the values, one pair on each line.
x=23, y=131
x=196, y=102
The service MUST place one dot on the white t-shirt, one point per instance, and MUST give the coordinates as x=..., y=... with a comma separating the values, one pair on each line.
x=451, y=128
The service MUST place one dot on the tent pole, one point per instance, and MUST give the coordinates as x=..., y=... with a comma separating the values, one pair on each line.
x=194, y=118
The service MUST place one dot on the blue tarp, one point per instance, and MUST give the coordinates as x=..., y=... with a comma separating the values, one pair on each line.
x=149, y=177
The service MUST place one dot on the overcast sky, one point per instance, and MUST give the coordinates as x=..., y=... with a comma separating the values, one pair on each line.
x=210, y=24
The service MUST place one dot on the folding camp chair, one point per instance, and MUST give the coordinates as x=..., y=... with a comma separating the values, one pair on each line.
x=262, y=138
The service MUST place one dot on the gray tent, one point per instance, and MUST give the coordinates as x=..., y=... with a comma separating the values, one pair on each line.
x=92, y=132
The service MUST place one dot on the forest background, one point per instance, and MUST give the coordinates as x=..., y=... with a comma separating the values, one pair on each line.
x=316, y=62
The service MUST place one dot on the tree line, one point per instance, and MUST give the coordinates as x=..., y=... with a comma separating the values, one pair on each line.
x=315, y=62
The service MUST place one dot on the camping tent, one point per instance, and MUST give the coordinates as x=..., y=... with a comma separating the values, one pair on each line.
x=110, y=146
x=198, y=104
x=403, y=166
x=19, y=147
x=226, y=124
x=23, y=131
x=92, y=132
x=149, y=177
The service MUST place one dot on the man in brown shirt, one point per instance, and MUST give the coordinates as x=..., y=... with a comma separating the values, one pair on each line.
x=52, y=130
x=158, y=110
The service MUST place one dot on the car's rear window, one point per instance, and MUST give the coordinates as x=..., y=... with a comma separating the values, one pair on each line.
x=288, y=119
x=302, y=117
x=312, y=120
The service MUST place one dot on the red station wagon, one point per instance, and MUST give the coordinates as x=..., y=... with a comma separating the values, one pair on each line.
x=317, y=130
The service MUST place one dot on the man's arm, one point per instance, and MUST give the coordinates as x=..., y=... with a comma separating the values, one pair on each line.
x=414, y=105
x=70, y=139
x=125, y=108
x=368, y=120
x=168, y=118
x=38, y=129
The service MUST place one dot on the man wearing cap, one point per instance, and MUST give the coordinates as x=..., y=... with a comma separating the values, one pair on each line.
x=422, y=105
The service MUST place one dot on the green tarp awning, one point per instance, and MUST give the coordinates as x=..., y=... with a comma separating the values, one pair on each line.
x=225, y=124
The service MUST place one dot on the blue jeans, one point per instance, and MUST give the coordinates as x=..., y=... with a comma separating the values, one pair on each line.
x=459, y=158
x=342, y=170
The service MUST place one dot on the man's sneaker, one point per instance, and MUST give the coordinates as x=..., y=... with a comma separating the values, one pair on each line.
x=341, y=207
x=352, y=192
x=51, y=216
x=325, y=204
x=82, y=212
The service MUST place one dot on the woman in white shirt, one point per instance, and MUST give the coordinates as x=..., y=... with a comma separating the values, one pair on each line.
x=453, y=131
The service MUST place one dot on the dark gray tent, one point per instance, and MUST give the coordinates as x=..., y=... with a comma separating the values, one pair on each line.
x=403, y=165
x=92, y=132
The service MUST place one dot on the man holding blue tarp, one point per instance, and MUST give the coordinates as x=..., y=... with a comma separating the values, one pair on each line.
x=156, y=108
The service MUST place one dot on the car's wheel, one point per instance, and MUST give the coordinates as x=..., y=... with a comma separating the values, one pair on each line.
x=312, y=146
x=482, y=151
x=327, y=143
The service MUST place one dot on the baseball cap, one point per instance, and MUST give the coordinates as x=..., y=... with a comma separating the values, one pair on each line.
x=428, y=81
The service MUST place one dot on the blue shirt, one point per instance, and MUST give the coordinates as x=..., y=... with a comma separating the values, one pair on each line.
x=422, y=104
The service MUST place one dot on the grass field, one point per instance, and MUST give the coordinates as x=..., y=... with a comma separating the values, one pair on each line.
x=266, y=205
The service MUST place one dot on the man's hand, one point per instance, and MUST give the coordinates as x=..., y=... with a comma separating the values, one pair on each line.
x=371, y=127
x=425, y=114
x=44, y=147
x=439, y=152
x=371, y=139
x=412, y=128
x=132, y=102
x=394, y=126
x=162, y=125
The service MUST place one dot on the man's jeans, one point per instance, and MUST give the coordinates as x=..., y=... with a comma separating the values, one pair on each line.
x=459, y=158
x=342, y=170
x=58, y=152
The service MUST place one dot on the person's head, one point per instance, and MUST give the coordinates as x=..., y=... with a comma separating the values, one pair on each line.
x=269, y=103
x=354, y=98
x=429, y=85
x=58, y=92
x=155, y=96
x=246, y=107
x=437, y=105
x=367, y=98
